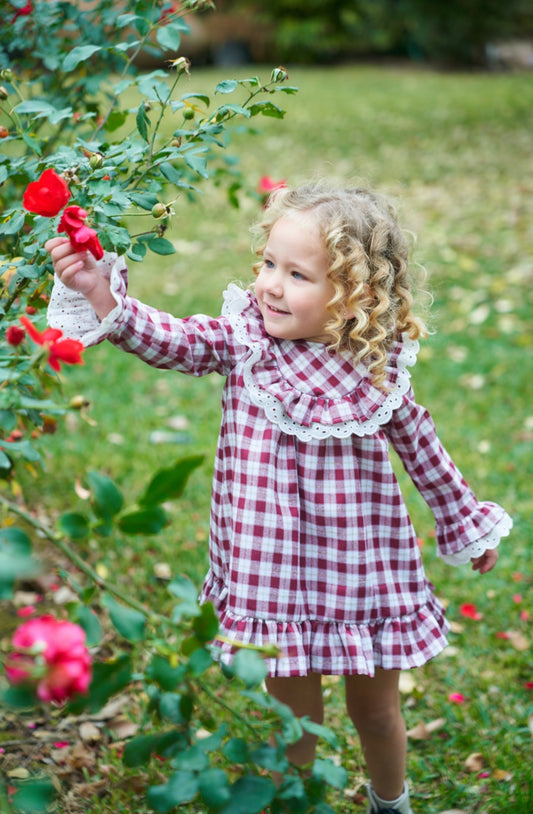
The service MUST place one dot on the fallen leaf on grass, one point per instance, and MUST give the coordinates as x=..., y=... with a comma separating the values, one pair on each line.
x=501, y=774
x=423, y=731
x=475, y=762
x=89, y=732
x=122, y=727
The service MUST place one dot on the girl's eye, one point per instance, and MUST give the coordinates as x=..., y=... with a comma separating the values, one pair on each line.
x=297, y=275
x=268, y=263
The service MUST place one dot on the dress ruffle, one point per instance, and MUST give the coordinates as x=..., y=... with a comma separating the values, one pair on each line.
x=308, y=391
x=334, y=648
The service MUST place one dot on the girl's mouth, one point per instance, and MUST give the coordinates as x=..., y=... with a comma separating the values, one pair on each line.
x=275, y=310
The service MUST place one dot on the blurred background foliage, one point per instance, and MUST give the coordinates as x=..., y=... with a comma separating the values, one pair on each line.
x=456, y=33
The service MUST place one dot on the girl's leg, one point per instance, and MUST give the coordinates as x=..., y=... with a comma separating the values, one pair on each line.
x=374, y=706
x=303, y=694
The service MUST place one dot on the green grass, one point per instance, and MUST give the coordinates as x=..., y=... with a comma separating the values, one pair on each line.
x=454, y=151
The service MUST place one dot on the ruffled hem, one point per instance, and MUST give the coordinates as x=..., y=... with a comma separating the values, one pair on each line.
x=480, y=546
x=329, y=397
x=478, y=532
x=332, y=648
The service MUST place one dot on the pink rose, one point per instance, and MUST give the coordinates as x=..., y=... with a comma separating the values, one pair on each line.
x=82, y=238
x=52, y=655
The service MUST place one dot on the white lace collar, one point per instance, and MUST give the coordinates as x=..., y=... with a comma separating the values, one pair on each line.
x=305, y=389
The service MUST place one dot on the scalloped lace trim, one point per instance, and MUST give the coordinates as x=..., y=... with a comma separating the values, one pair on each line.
x=235, y=302
x=478, y=547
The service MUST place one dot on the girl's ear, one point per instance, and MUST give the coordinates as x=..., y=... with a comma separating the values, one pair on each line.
x=347, y=314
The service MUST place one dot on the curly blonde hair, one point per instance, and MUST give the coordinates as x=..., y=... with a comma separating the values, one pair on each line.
x=369, y=268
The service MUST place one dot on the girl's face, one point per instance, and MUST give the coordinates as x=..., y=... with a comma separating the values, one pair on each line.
x=292, y=287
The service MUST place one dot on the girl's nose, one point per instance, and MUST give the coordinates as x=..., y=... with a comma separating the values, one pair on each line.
x=274, y=284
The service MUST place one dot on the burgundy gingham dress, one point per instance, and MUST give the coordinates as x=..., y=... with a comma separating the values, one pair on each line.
x=311, y=545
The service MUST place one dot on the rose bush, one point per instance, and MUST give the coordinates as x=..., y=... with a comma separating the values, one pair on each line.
x=70, y=90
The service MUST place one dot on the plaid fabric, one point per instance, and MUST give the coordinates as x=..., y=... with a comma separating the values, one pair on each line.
x=311, y=545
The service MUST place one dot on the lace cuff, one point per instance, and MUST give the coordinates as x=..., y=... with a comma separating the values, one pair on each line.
x=73, y=314
x=478, y=547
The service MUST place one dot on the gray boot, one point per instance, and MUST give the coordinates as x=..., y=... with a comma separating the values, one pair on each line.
x=399, y=806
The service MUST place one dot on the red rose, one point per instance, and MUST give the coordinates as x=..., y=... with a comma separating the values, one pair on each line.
x=47, y=196
x=59, y=350
x=53, y=656
x=82, y=238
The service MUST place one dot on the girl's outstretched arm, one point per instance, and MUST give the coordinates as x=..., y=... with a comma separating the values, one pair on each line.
x=79, y=271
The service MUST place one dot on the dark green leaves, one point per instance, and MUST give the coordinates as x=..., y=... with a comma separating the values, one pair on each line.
x=169, y=483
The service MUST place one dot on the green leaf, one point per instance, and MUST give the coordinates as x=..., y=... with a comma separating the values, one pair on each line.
x=213, y=786
x=331, y=774
x=202, y=97
x=181, y=788
x=15, y=540
x=320, y=731
x=80, y=53
x=145, y=521
x=19, y=697
x=115, y=120
x=38, y=108
x=107, y=499
x=12, y=224
x=206, y=624
x=169, y=483
x=32, y=143
x=193, y=759
x=163, y=673
x=236, y=750
x=34, y=796
x=249, y=667
x=128, y=621
x=74, y=525
x=169, y=37
x=250, y=795
x=197, y=162
x=199, y=661
x=170, y=707
x=142, y=121
x=182, y=587
x=160, y=245
x=145, y=200
x=227, y=86
x=266, y=109
x=13, y=567
x=139, y=750
x=90, y=623
x=268, y=757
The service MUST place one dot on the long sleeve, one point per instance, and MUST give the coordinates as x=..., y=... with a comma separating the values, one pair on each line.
x=465, y=527
x=196, y=345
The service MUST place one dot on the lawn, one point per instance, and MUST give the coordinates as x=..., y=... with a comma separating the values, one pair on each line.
x=454, y=151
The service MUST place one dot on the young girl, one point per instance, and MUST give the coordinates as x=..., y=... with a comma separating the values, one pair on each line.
x=311, y=545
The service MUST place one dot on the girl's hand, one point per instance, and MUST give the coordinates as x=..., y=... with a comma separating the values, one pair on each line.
x=79, y=271
x=486, y=562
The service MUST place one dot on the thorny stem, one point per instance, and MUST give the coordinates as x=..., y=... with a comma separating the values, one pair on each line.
x=79, y=562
